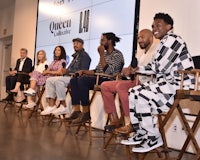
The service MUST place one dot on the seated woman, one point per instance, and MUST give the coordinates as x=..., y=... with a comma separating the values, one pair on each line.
x=54, y=69
x=37, y=79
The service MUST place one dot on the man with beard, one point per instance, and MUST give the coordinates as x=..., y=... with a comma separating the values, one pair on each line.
x=152, y=98
x=110, y=88
x=111, y=62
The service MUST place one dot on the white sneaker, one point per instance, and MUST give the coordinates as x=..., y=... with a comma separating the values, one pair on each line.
x=138, y=137
x=30, y=92
x=48, y=110
x=60, y=110
x=149, y=144
x=30, y=105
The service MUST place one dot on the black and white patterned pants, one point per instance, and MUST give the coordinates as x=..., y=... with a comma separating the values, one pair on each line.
x=149, y=99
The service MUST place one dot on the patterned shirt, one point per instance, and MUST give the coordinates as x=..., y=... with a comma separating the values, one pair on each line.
x=57, y=64
x=172, y=55
x=115, y=63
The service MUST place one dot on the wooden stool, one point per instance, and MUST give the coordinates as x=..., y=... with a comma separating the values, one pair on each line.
x=38, y=105
x=163, y=118
x=114, y=134
x=87, y=124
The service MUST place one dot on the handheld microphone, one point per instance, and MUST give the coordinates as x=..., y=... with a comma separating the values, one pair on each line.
x=46, y=66
x=134, y=62
x=63, y=64
x=10, y=69
x=76, y=74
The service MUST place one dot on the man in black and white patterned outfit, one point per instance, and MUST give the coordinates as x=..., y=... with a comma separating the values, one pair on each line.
x=153, y=98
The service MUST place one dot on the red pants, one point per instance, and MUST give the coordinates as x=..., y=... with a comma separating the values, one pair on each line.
x=110, y=88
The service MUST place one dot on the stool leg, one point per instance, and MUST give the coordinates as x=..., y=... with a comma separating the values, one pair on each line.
x=84, y=124
x=195, y=124
x=162, y=131
x=197, y=157
x=38, y=103
x=32, y=111
x=78, y=129
x=108, y=141
x=20, y=107
x=7, y=103
x=90, y=131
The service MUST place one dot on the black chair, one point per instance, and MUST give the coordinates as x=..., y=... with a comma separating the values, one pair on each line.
x=196, y=60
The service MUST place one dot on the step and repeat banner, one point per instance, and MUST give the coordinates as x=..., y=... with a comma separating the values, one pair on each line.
x=59, y=21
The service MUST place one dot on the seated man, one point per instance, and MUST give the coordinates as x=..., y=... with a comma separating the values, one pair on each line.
x=19, y=75
x=110, y=88
x=56, y=86
x=111, y=62
x=152, y=98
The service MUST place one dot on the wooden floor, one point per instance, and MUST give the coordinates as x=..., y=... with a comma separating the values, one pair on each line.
x=34, y=139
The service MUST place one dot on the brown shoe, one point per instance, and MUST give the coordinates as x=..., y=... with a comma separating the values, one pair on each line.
x=82, y=118
x=114, y=122
x=125, y=129
x=113, y=125
x=73, y=116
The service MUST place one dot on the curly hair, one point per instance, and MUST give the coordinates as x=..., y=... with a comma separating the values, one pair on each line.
x=165, y=17
x=63, y=54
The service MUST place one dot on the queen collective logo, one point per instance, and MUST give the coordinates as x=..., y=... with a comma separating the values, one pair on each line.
x=60, y=28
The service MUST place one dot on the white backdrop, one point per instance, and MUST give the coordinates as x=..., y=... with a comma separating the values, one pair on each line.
x=59, y=21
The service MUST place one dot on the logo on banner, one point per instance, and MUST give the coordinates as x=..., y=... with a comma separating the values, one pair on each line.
x=58, y=2
x=84, y=21
x=60, y=28
x=61, y=2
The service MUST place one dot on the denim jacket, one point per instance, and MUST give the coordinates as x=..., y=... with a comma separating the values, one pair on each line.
x=81, y=61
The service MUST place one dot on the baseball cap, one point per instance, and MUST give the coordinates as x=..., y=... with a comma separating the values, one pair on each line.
x=78, y=40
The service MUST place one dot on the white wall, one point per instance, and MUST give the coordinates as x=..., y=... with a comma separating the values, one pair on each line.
x=6, y=21
x=24, y=29
x=6, y=31
x=185, y=14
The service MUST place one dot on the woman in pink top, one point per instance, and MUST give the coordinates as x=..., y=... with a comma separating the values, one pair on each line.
x=54, y=69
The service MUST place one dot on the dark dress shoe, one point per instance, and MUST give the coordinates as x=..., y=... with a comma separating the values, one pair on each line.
x=82, y=118
x=113, y=125
x=8, y=98
x=73, y=116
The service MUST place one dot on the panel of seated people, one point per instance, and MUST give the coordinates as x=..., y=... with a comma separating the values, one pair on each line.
x=173, y=128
